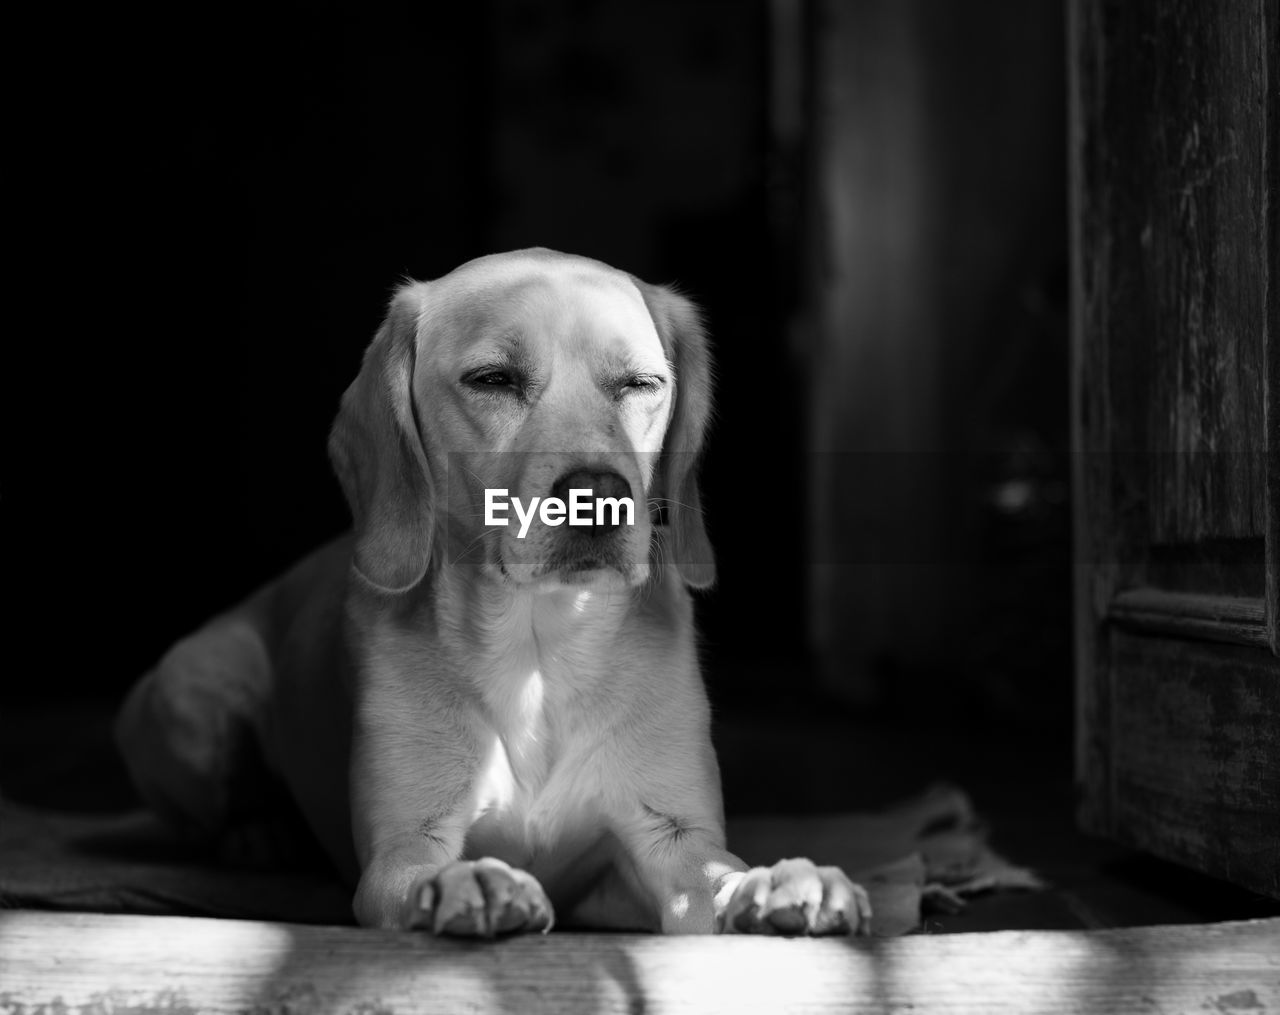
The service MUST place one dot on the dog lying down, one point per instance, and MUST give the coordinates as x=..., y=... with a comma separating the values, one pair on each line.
x=482, y=729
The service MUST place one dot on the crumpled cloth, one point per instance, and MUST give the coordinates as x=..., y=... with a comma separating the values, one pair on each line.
x=926, y=853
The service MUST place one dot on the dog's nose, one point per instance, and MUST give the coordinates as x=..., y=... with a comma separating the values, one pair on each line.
x=598, y=484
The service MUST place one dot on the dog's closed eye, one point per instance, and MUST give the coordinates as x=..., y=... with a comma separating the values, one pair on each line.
x=496, y=380
x=493, y=377
x=641, y=384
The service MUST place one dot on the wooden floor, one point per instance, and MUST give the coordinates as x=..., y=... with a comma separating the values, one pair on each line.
x=51, y=962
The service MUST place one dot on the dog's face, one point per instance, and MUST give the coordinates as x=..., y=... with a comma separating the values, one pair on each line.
x=536, y=374
x=539, y=382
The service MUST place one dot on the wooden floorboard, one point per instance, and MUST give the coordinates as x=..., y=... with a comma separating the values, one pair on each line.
x=88, y=964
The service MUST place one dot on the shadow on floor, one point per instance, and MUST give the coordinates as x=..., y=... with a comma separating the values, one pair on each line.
x=794, y=761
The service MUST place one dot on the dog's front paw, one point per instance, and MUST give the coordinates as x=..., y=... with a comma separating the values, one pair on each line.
x=797, y=897
x=479, y=898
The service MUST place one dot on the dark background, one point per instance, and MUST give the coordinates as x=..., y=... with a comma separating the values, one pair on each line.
x=211, y=207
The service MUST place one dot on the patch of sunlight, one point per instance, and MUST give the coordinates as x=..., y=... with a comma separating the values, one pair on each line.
x=741, y=973
x=87, y=960
x=1026, y=970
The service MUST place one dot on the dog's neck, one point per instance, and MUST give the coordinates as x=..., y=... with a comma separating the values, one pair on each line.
x=561, y=633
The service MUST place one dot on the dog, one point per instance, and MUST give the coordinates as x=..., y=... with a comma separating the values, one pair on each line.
x=488, y=733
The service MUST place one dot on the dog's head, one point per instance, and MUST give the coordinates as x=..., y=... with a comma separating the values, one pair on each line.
x=538, y=374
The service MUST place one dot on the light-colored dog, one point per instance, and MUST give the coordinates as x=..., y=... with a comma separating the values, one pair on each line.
x=479, y=727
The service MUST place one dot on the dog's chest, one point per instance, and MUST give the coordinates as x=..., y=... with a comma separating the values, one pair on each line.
x=537, y=793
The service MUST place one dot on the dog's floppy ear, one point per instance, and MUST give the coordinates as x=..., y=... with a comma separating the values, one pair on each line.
x=376, y=449
x=684, y=341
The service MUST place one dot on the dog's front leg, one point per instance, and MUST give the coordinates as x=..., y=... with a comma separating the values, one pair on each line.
x=412, y=797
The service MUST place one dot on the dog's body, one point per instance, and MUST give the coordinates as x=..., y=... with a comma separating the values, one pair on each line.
x=480, y=728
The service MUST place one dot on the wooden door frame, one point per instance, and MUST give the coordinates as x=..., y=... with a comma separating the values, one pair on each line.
x=1114, y=596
